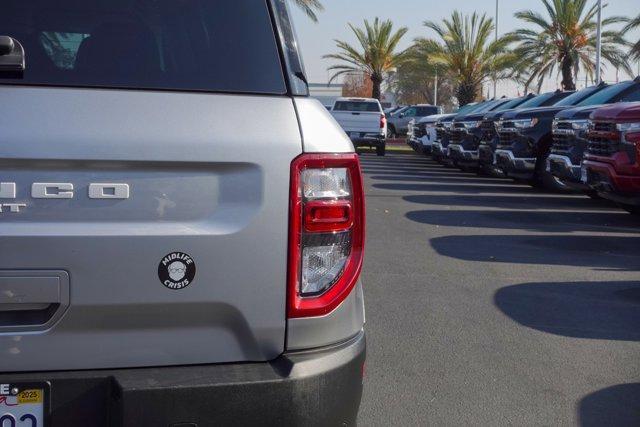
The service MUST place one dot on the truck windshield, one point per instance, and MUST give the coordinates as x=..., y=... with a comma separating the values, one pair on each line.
x=358, y=106
x=606, y=95
x=576, y=97
x=197, y=45
x=538, y=100
x=510, y=104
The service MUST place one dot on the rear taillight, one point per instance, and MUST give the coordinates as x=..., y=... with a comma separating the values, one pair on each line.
x=326, y=240
x=383, y=121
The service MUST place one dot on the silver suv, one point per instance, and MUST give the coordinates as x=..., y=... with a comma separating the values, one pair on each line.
x=164, y=262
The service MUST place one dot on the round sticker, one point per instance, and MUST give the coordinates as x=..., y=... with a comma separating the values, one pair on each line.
x=177, y=270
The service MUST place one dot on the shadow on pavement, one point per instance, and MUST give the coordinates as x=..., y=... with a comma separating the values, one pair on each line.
x=462, y=189
x=613, y=406
x=465, y=179
x=537, y=202
x=621, y=253
x=545, y=221
x=594, y=310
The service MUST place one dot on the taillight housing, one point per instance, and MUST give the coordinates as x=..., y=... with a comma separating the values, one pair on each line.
x=383, y=121
x=326, y=232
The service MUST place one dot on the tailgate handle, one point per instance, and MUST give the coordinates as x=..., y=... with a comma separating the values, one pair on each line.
x=28, y=301
x=356, y=114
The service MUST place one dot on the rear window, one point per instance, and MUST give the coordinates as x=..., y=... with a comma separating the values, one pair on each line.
x=357, y=106
x=202, y=45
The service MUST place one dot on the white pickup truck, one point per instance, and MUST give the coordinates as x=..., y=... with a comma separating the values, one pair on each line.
x=363, y=120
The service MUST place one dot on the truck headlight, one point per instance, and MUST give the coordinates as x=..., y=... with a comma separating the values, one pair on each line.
x=628, y=127
x=580, y=124
x=525, y=123
x=471, y=125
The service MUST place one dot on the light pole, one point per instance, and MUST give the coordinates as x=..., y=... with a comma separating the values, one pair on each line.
x=435, y=89
x=599, y=44
x=495, y=82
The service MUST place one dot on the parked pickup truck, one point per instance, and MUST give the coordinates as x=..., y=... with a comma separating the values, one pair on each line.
x=612, y=160
x=162, y=263
x=440, y=145
x=452, y=133
x=490, y=136
x=363, y=120
x=467, y=131
x=422, y=133
x=570, y=130
x=525, y=138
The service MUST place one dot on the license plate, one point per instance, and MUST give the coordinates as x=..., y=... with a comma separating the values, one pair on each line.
x=24, y=404
x=583, y=174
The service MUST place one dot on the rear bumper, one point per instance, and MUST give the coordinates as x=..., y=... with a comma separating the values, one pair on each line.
x=319, y=387
x=368, y=141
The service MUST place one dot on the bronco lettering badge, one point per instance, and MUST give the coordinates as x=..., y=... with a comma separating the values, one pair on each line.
x=177, y=270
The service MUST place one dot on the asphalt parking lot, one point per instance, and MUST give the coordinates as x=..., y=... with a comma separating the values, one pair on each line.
x=492, y=303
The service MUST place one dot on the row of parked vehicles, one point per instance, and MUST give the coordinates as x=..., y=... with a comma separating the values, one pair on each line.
x=587, y=140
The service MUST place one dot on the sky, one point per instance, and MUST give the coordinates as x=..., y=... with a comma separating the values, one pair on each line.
x=318, y=39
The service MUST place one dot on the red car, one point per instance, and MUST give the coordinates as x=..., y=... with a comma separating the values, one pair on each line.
x=612, y=161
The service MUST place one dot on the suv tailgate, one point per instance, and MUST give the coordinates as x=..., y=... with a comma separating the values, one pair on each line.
x=201, y=183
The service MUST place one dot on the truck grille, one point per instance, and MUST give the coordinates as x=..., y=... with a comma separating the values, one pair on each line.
x=488, y=128
x=604, y=127
x=562, y=143
x=420, y=130
x=506, y=138
x=604, y=139
x=457, y=135
x=602, y=146
x=564, y=125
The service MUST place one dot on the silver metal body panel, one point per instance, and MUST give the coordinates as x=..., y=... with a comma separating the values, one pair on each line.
x=200, y=182
x=341, y=324
x=320, y=132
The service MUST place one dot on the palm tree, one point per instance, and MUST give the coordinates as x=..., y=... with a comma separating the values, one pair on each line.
x=633, y=24
x=310, y=7
x=375, y=56
x=465, y=52
x=566, y=40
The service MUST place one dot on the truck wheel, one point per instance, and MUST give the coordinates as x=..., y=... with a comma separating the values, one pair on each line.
x=380, y=150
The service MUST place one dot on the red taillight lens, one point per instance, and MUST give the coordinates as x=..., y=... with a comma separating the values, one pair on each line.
x=326, y=241
x=383, y=121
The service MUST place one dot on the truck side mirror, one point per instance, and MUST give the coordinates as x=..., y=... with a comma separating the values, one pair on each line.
x=11, y=55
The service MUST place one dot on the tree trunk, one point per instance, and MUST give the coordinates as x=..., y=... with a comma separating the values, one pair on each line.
x=567, y=73
x=466, y=93
x=377, y=83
